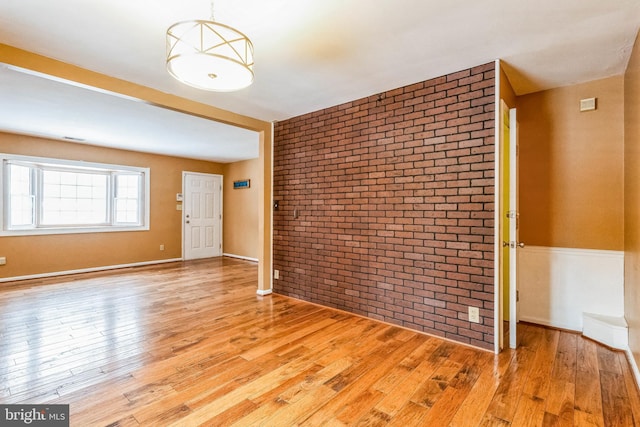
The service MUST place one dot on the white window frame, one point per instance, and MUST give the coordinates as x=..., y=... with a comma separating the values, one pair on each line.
x=78, y=166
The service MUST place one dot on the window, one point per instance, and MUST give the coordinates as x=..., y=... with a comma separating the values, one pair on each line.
x=44, y=196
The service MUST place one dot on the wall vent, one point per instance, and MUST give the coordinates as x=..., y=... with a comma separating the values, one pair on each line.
x=588, y=104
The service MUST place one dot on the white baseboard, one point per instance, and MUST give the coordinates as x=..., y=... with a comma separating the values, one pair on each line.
x=263, y=292
x=241, y=257
x=87, y=270
x=634, y=366
x=546, y=322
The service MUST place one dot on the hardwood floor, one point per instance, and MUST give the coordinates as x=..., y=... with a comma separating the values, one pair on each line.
x=191, y=343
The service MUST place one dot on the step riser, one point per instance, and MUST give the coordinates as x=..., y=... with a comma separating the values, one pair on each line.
x=611, y=332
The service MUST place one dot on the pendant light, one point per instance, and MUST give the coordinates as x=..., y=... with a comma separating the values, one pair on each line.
x=210, y=56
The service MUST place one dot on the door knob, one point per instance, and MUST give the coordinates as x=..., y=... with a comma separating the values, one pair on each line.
x=187, y=221
x=512, y=244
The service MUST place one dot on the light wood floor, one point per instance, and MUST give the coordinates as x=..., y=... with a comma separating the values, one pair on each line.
x=191, y=343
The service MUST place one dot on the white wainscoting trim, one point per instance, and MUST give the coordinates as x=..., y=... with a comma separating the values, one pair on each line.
x=558, y=285
x=87, y=270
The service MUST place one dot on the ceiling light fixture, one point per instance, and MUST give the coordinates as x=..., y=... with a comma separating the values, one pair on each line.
x=210, y=56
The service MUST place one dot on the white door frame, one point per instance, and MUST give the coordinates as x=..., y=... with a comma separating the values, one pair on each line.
x=184, y=203
x=512, y=209
x=513, y=227
x=499, y=225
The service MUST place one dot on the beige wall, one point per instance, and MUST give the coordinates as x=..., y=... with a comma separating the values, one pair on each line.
x=506, y=90
x=27, y=255
x=632, y=200
x=571, y=167
x=241, y=209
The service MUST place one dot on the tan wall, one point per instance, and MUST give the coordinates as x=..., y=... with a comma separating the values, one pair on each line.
x=27, y=255
x=632, y=200
x=241, y=209
x=506, y=90
x=571, y=167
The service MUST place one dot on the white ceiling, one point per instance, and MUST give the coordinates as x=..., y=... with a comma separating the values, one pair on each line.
x=312, y=54
x=33, y=105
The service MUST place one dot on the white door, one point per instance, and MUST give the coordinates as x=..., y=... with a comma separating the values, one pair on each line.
x=202, y=215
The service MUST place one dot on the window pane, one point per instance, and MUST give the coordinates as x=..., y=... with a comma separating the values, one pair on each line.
x=21, y=212
x=74, y=198
x=52, y=190
x=20, y=178
x=20, y=197
x=67, y=191
x=85, y=192
x=84, y=179
x=127, y=207
x=66, y=178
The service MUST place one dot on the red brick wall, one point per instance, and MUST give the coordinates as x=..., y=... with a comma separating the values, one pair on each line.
x=386, y=206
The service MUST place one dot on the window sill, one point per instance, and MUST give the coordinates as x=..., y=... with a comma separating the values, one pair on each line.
x=74, y=230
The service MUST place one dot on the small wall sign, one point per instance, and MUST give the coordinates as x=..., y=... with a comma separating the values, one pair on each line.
x=245, y=183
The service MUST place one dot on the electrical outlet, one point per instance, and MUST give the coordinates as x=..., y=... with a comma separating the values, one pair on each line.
x=162, y=247
x=3, y=260
x=474, y=314
x=276, y=274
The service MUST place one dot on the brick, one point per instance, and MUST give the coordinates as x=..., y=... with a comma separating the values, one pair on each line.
x=396, y=199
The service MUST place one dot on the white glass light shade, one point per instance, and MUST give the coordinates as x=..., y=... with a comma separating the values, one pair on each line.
x=209, y=56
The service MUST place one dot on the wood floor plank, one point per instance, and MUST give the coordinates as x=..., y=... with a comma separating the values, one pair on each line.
x=458, y=388
x=537, y=384
x=410, y=414
x=358, y=380
x=475, y=405
x=530, y=411
x=631, y=386
x=401, y=394
x=505, y=400
x=292, y=392
x=588, y=397
x=608, y=360
x=615, y=402
x=229, y=416
x=288, y=414
x=561, y=397
x=430, y=391
x=232, y=386
x=191, y=343
x=358, y=407
x=388, y=382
